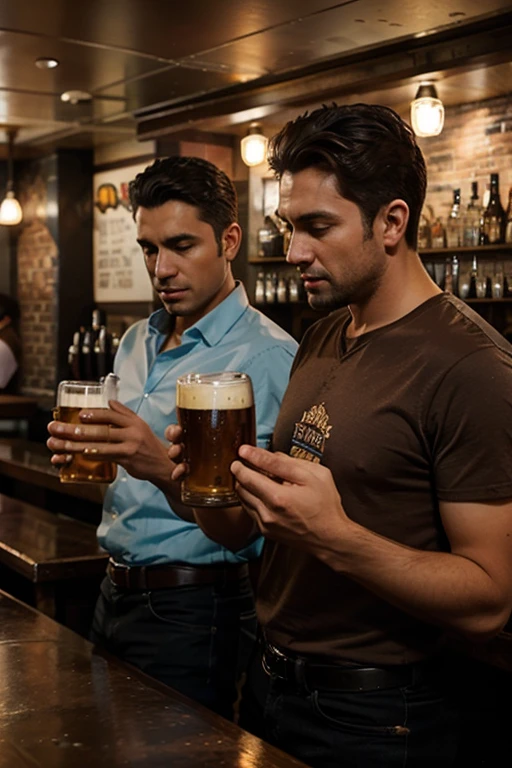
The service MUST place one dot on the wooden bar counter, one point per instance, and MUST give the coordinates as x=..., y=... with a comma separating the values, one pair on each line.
x=63, y=705
x=17, y=406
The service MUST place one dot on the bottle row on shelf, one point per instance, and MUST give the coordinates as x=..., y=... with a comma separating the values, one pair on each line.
x=271, y=289
x=485, y=223
x=471, y=280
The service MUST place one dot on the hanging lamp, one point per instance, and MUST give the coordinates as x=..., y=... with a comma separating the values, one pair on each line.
x=427, y=111
x=10, y=209
x=253, y=147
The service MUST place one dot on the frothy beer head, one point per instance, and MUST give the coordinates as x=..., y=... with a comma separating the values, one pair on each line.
x=88, y=394
x=82, y=400
x=214, y=391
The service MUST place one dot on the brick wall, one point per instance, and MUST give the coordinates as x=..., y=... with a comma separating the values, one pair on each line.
x=37, y=275
x=37, y=294
x=475, y=142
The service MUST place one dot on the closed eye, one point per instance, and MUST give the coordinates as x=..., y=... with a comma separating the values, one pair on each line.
x=317, y=230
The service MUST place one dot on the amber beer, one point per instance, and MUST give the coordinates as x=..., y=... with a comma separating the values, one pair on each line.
x=72, y=397
x=216, y=413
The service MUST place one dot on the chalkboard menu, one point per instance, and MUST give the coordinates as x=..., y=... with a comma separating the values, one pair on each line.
x=119, y=269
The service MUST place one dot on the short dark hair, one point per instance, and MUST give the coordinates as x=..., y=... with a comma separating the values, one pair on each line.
x=9, y=307
x=371, y=151
x=192, y=180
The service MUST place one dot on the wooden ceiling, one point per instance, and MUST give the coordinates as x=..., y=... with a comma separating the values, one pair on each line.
x=159, y=66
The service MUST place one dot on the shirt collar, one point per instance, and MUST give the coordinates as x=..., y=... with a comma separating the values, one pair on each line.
x=213, y=326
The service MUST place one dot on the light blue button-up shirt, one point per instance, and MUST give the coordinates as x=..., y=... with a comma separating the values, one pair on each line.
x=138, y=526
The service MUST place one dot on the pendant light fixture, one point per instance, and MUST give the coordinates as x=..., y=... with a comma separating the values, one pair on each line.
x=427, y=111
x=10, y=209
x=254, y=146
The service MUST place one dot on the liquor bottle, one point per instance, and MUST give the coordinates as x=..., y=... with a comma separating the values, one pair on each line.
x=259, y=289
x=293, y=289
x=472, y=279
x=453, y=225
x=424, y=234
x=493, y=222
x=455, y=275
x=472, y=218
x=508, y=225
x=270, y=239
x=282, y=291
x=437, y=234
x=270, y=288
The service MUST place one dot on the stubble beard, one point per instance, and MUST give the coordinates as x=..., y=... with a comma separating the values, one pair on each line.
x=338, y=296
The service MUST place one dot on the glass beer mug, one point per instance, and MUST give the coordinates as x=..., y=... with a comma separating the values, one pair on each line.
x=216, y=413
x=72, y=396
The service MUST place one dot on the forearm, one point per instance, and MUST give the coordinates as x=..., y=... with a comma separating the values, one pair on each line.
x=440, y=588
x=231, y=527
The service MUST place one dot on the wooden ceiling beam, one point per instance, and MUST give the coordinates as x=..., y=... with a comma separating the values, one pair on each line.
x=457, y=48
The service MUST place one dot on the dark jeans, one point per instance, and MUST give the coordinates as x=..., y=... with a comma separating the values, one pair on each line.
x=394, y=728
x=196, y=639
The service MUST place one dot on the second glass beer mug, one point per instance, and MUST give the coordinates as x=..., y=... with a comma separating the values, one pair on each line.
x=216, y=413
x=72, y=396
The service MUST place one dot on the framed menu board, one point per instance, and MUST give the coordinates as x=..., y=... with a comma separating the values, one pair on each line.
x=119, y=269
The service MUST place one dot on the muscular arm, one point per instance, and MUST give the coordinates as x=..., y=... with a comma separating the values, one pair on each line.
x=468, y=590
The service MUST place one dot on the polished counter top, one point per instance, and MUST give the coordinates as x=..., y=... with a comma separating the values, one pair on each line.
x=28, y=461
x=44, y=546
x=17, y=406
x=63, y=705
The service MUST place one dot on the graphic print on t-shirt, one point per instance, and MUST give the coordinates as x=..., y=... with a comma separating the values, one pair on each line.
x=310, y=434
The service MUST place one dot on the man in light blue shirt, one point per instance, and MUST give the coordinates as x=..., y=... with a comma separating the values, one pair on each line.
x=175, y=603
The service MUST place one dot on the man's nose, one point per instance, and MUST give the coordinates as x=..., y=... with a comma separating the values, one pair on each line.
x=298, y=251
x=166, y=265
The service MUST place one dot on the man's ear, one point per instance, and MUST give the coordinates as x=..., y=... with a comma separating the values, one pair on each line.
x=231, y=239
x=395, y=217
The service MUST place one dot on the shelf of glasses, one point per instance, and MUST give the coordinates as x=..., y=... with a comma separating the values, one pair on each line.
x=267, y=260
x=470, y=250
x=503, y=300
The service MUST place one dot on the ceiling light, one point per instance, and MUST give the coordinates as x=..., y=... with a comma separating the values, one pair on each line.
x=46, y=63
x=75, y=97
x=10, y=209
x=427, y=111
x=254, y=146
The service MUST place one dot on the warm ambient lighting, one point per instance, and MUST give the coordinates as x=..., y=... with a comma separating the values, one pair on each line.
x=427, y=111
x=44, y=62
x=10, y=210
x=254, y=146
x=75, y=97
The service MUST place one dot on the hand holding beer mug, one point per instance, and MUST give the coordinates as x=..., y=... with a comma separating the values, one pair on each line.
x=216, y=414
x=72, y=397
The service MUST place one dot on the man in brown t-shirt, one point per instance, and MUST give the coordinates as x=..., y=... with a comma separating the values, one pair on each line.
x=387, y=502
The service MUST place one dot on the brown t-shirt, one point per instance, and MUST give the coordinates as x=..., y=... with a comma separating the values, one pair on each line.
x=410, y=414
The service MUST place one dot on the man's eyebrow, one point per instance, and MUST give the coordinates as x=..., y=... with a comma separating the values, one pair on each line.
x=169, y=242
x=311, y=216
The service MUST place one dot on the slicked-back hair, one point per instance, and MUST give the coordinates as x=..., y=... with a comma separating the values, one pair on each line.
x=371, y=151
x=190, y=180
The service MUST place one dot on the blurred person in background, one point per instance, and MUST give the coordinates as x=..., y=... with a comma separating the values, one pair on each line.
x=10, y=344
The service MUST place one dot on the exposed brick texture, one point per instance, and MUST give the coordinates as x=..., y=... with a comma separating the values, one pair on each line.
x=37, y=293
x=475, y=142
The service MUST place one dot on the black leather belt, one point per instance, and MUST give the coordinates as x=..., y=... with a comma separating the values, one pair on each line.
x=167, y=576
x=301, y=672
